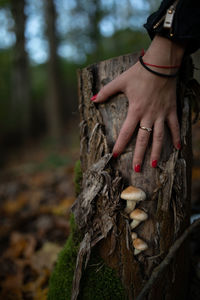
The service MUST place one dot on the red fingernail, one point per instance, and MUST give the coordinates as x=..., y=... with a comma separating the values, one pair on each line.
x=154, y=163
x=115, y=154
x=137, y=168
x=93, y=97
x=179, y=146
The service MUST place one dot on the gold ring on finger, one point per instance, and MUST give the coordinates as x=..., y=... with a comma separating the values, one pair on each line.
x=146, y=128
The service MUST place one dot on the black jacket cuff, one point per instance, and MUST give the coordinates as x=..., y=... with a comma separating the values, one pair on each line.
x=185, y=26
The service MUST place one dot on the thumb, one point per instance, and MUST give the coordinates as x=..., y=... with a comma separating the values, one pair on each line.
x=108, y=90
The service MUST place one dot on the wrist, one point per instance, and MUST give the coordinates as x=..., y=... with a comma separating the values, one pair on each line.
x=163, y=51
x=167, y=69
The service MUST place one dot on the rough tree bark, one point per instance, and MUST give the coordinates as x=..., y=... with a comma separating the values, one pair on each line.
x=99, y=210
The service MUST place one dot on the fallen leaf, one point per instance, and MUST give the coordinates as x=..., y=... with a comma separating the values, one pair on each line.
x=14, y=205
x=62, y=208
x=46, y=256
x=21, y=245
x=38, y=288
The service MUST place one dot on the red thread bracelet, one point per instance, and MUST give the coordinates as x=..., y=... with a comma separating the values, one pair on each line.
x=156, y=66
x=162, y=67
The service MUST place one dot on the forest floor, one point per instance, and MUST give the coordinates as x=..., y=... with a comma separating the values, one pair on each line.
x=36, y=194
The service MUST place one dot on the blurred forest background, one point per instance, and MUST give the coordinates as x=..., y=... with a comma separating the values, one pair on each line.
x=42, y=44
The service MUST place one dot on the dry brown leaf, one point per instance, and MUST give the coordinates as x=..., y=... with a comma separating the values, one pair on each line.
x=14, y=205
x=21, y=245
x=11, y=293
x=11, y=286
x=63, y=206
x=41, y=294
x=38, y=289
x=46, y=256
x=41, y=179
x=36, y=196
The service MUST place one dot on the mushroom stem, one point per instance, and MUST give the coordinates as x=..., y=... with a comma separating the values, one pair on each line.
x=137, y=251
x=130, y=205
x=135, y=223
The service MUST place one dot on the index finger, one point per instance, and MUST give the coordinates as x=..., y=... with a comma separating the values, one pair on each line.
x=126, y=132
x=108, y=90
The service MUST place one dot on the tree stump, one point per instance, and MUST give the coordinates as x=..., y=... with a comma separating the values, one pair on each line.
x=99, y=211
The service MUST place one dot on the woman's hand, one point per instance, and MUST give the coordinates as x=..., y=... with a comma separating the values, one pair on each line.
x=152, y=102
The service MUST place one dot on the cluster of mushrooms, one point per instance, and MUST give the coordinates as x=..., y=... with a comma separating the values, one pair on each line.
x=134, y=195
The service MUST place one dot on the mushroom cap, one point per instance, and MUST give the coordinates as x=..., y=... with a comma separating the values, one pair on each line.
x=134, y=194
x=140, y=244
x=138, y=214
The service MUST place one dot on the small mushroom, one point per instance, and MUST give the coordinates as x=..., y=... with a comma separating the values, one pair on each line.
x=139, y=246
x=132, y=195
x=133, y=235
x=138, y=216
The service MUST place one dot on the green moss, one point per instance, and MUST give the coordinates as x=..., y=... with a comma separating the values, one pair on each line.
x=77, y=177
x=60, y=283
x=98, y=281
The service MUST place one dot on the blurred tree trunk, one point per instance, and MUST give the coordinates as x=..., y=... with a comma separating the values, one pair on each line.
x=20, y=77
x=95, y=13
x=95, y=34
x=53, y=101
x=98, y=210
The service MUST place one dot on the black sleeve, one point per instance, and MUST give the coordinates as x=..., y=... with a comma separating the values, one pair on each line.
x=185, y=26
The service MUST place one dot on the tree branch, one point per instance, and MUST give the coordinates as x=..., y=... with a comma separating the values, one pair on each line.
x=166, y=261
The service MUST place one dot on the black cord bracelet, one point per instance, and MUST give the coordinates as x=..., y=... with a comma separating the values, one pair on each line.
x=154, y=72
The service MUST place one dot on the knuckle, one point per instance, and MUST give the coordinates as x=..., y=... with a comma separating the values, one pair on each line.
x=158, y=137
x=176, y=131
x=141, y=140
x=176, y=127
x=137, y=110
x=124, y=136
